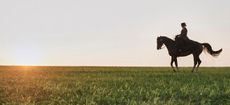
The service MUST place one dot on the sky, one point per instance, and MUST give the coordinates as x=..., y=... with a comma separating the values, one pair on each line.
x=108, y=32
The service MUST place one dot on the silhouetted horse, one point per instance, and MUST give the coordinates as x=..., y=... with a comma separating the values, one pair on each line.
x=193, y=47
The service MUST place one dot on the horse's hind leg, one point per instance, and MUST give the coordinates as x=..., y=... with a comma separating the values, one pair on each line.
x=199, y=62
x=172, y=60
x=195, y=62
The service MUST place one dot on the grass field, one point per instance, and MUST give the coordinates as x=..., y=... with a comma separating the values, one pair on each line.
x=113, y=86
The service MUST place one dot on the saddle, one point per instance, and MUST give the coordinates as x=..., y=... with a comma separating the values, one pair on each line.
x=182, y=43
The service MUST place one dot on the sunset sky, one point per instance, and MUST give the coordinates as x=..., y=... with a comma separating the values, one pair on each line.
x=108, y=32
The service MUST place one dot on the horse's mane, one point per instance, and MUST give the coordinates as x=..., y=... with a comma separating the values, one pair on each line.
x=167, y=38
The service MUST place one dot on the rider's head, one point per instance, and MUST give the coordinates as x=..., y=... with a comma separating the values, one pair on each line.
x=183, y=24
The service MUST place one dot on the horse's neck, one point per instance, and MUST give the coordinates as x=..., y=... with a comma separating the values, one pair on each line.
x=169, y=43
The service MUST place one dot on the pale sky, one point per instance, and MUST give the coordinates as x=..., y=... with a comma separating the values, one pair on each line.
x=108, y=32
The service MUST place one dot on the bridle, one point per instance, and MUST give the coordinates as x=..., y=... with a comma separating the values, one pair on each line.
x=163, y=46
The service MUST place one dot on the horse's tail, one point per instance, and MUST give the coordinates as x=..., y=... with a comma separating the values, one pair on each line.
x=208, y=47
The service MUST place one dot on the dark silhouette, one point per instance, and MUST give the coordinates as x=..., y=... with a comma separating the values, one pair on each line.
x=182, y=38
x=192, y=47
x=184, y=31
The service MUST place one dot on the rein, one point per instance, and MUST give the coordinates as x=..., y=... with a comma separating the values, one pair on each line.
x=163, y=46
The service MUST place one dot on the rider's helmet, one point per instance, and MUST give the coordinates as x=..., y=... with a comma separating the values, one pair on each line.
x=183, y=24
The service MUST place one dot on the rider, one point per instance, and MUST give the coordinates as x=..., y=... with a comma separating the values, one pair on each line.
x=182, y=38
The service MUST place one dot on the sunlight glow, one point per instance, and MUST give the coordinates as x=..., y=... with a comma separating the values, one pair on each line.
x=26, y=56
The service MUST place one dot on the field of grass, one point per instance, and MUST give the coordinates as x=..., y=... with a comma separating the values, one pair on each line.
x=113, y=86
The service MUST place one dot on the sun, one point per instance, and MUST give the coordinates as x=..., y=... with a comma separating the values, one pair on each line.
x=26, y=56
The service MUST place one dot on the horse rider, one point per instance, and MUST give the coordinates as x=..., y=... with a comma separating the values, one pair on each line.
x=182, y=38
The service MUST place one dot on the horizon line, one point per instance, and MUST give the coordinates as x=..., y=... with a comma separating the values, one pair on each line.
x=95, y=66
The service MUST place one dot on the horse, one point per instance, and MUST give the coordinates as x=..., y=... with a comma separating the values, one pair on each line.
x=193, y=47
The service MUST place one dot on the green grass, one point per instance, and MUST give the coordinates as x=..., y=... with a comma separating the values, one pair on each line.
x=113, y=86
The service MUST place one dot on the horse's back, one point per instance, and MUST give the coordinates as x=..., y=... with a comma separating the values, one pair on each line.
x=189, y=47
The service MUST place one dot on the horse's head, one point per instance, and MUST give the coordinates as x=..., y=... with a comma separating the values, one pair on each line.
x=159, y=42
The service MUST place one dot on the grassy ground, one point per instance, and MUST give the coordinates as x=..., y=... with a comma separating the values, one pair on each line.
x=113, y=86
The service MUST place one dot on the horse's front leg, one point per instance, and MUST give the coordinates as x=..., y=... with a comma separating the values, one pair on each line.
x=176, y=64
x=172, y=60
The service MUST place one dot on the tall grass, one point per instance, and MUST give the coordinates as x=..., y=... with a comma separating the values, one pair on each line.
x=113, y=86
